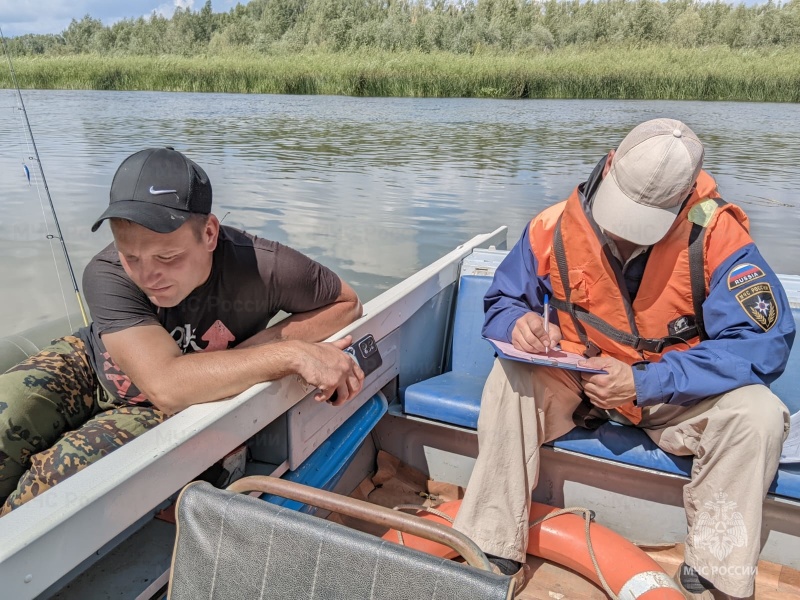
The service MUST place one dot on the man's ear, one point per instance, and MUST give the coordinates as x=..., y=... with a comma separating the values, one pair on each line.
x=609, y=158
x=211, y=233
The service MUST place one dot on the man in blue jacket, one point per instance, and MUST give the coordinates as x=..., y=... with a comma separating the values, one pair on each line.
x=656, y=280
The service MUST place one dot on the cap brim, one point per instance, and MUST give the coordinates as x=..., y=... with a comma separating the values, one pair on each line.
x=152, y=216
x=618, y=214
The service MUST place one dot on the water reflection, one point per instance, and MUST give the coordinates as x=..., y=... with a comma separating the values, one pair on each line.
x=375, y=188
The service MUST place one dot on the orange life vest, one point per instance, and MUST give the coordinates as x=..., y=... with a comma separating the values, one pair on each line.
x=595, y=315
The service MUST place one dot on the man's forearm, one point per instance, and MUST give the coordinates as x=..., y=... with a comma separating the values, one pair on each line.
x=205, y=377
x=312, y=326
x=208, y=376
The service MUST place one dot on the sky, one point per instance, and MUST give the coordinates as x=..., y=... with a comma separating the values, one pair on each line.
x=18, y=17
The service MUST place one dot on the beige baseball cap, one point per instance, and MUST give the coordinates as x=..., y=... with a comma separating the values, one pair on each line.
x=652, y=173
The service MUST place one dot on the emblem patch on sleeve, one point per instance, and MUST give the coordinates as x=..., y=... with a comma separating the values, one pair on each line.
x=759, y=304
x=743, y=274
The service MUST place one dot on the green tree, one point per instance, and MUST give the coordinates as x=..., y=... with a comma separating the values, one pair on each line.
x=464, y=26
x=278, y=16
x=33, y=44
x=790, y=22
x=648, y=22
x=734, y=29
x=79, y=35
x=713, y=14
x=687, y=29
x=537, y=38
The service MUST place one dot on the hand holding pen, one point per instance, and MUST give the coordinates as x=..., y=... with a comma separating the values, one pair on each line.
x=533, y=332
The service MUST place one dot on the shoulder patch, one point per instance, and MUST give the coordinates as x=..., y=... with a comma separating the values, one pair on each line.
x=701, y=213
x=743, y=274
x=759, y=304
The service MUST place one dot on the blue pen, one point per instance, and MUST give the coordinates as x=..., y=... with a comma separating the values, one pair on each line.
x=547, y=320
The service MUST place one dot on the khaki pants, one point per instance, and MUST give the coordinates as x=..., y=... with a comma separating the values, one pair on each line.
x=736, y=440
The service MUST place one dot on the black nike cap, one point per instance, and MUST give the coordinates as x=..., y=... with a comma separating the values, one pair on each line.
x=158, y=188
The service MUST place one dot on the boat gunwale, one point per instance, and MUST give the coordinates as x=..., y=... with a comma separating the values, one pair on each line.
x=54, y=533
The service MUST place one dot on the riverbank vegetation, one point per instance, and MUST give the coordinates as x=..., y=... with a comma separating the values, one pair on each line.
x=652, y=73
x=678, y=49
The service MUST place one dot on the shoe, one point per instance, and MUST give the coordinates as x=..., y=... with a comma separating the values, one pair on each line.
x=691, y=585
x=510, y=568
x=695, y=587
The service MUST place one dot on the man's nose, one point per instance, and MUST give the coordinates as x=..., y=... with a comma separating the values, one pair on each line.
x=150, y=272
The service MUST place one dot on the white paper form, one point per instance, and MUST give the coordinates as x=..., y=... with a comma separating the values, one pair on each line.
x=791, y=447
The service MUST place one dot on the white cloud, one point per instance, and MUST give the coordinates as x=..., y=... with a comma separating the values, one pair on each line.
x=167, y=9
x=18, y=17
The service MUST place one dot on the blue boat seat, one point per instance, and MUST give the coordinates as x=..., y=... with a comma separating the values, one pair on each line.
x=454, y=397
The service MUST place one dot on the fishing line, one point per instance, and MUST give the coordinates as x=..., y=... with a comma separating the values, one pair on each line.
x=34, y=156
x=24, y=142
x=764, y=201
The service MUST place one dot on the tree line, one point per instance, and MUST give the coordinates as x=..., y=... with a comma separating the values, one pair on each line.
x=458, y=26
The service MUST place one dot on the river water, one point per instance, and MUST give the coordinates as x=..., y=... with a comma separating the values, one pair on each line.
x=375, y=188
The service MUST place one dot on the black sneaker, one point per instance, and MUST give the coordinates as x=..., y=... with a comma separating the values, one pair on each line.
x=505, y=566
x=510, y=568
x=692, y=585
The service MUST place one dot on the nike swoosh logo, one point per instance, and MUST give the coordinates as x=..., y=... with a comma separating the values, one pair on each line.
x=156, y=192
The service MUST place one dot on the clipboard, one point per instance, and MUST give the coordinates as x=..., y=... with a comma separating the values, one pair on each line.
x=557, y=358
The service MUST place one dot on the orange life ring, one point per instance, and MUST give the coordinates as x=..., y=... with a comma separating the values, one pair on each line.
x=628, y=571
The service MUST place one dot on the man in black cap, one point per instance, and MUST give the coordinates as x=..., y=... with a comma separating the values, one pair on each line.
x=180, y=307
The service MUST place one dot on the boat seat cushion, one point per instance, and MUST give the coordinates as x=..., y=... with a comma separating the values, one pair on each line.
x=451, y=397
x=269, y=551
x=632, y=446
x=14, y=349
x=454, y=398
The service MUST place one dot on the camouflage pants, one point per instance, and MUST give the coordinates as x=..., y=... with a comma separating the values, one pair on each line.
x=56, y=419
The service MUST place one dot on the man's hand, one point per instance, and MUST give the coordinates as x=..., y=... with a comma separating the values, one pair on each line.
x=327, y=367
x=528, y=334
x=612, y=390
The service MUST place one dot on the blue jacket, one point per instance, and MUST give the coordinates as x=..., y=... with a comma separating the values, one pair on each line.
x=738, y=352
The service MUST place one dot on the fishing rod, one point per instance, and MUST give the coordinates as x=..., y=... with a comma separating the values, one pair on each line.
x=59, y=235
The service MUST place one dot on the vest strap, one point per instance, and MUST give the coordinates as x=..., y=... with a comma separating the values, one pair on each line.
x=638, y=343
x=697, y=273
x=563, y=271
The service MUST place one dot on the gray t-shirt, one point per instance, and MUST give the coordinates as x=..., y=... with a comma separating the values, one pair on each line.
x=251, y=280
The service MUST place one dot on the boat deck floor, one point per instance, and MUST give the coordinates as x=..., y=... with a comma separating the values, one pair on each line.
x=553, y=582
x=396, y=483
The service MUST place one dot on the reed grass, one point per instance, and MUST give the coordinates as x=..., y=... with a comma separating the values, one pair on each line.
x=715, y=73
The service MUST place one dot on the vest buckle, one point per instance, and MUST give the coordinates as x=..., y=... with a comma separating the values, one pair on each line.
x=592, y=350
x=650, y=345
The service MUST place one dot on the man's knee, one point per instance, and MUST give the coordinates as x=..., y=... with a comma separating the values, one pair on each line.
x=512, y=381
x=56, y=383
x=756, y=411
x=47, y=468
x=10, y=472
x=21, y=429
x=527, y=379
x=78, y=449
